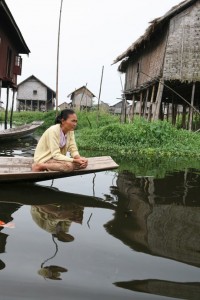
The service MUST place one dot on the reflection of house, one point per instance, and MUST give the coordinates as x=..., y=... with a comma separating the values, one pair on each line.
x=33, y=94
x=163, y=215
x=159, y=217
x=166, y=59
x=64, y=105
x=11, y=45
x=81, y=98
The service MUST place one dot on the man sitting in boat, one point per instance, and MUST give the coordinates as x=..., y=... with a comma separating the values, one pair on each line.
x=56, y=141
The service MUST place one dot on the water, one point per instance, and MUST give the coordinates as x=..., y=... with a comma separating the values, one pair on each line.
x=127, y=236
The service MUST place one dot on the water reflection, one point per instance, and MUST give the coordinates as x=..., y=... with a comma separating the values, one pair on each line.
x=56, y=220
x=160, y=217
x=6, y=211
x=52, y=210
x=23, y=147
x=178, y=290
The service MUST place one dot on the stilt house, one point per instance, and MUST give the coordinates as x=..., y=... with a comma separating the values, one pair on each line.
x=35, y=95
x=162, y=68
x=12, y=44
x=81, y=98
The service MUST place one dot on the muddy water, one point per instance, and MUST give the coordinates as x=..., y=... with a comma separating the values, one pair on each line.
x=126, y=234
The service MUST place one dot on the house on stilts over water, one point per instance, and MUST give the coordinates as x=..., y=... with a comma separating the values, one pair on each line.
x=12, y=44
x=162, y=68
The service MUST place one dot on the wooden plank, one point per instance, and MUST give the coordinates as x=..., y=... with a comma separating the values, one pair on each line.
x=19, y=168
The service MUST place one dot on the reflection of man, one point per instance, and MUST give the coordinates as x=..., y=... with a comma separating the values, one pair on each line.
x=56, y=219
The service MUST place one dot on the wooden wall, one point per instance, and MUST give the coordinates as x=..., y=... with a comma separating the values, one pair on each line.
x=149, y=61
x=182, y=58
x=6, y=76
x=82, y=97
x=26, y=90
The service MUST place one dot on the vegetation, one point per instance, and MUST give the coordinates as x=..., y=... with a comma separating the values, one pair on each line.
x=154, y=140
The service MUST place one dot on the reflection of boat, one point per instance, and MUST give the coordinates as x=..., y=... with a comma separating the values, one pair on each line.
x=178, y=290
x=19, y=168
x=19, y=131
x=34, y=194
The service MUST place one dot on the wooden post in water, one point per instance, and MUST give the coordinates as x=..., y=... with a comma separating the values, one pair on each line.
x=11, y=112
x=6, y=112
x=0, y=89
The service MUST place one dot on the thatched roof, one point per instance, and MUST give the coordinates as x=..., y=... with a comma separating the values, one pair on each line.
x=156, y=24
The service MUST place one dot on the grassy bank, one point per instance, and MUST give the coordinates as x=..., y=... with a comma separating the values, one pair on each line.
x=154, y=140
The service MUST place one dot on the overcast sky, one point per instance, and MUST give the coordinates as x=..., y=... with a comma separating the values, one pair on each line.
x=93, y=34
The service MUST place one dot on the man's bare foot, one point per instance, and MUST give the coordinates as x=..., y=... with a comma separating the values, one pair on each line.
x=36, y=168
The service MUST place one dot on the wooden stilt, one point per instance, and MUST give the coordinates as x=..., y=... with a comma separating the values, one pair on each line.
x=132, y=108
x=158, y=99
x=123, y=111
x=145, y=104
x=192, y=104
x=151, y=103
x=0, y=88
x=140, y=110
x=174, y=115
x=183, y=124
x=6, y=112
x=11, y=112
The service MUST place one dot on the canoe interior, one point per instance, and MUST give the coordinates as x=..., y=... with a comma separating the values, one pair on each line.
x=17, y=169
x=20, y=131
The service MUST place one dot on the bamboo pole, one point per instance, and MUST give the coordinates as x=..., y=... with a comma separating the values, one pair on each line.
x=99, y=94
x=58, y=50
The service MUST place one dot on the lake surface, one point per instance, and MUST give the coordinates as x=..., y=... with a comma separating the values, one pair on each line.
x=110, y=235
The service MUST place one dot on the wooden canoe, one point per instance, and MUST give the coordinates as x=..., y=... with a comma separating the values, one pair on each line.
x=19, y=131
x=16, y=169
